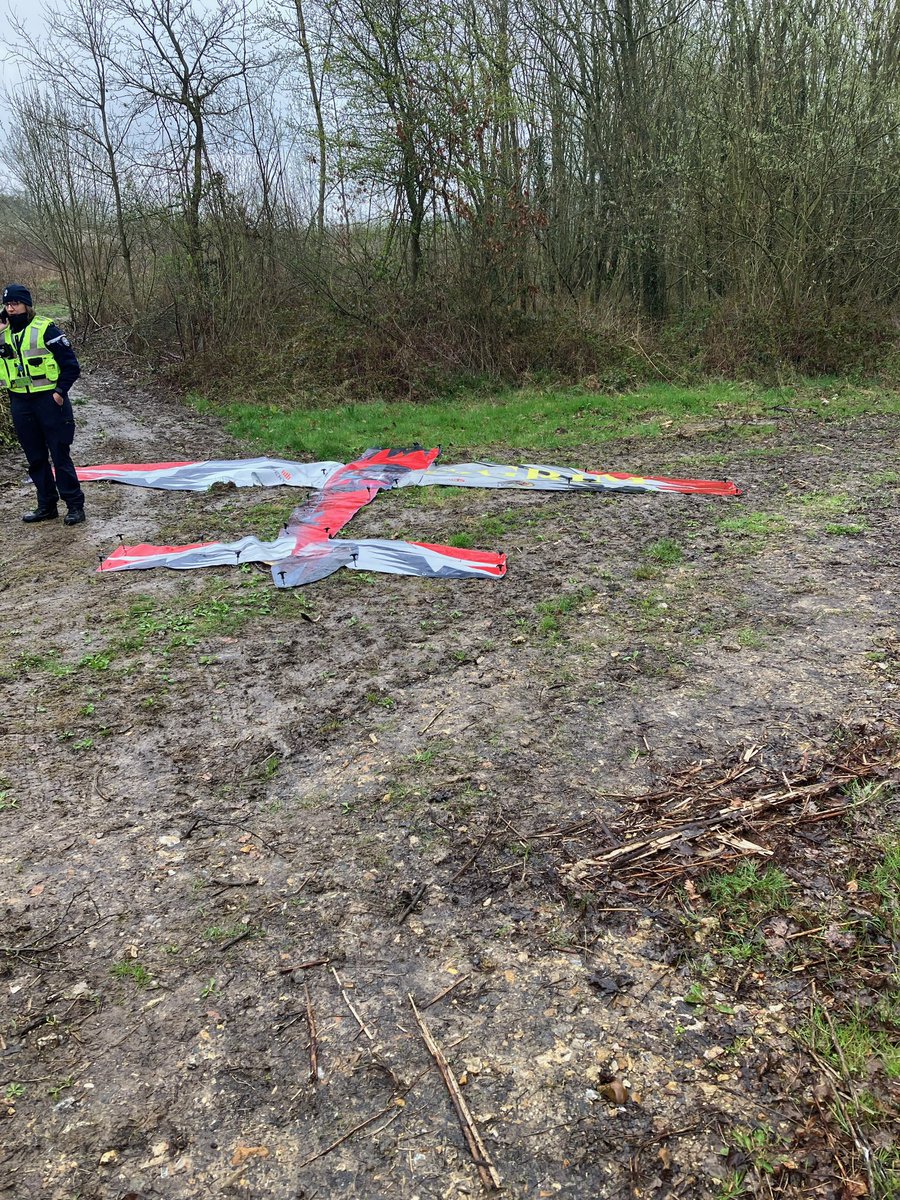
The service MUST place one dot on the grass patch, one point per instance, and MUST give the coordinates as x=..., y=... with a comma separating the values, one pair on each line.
x=746, y=893
x=860, y=1042
x=867, y=791
x=825, y=504
x=223, y=609
x=227, y=933
x=427, y=497
x=749, y=638
x=222, y=612
x=49, y=661
x=822, y=505
x=546, y=420
x=553, y=419
x=552, y=613
x=494, y=528
x=884, y=883
x=666, y=552
x=755, y=526
x=853, y=529
x=851, y=1043
x=266, y=519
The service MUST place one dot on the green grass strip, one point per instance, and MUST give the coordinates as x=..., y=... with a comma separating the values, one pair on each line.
x=527, y=422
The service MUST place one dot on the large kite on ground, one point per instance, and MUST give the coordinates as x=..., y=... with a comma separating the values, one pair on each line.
x=307, y=549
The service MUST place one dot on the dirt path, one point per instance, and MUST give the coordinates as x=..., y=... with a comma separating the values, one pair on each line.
x=207, y=783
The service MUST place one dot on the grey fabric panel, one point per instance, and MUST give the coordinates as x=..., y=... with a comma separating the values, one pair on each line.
x=199, y=477
x=311, y=564
x=374, y=554
x=527, y=478
x=407, y=558
x=210, y=554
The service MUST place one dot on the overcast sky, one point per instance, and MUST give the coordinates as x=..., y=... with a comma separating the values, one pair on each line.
x=17, y=9
x=10, y=74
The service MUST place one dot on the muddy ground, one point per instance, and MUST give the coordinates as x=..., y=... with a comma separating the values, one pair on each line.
x=208, y=785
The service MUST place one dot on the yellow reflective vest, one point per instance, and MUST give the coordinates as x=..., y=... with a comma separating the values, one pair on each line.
x=31, y=367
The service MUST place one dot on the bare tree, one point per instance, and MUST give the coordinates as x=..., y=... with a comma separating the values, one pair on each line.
x=181, y=60
x=662, y=158
x=69, y=218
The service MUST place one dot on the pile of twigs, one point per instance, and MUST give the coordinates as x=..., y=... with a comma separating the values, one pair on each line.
x=705, y=818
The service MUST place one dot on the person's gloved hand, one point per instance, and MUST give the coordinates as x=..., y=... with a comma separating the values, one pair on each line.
x=59, y=398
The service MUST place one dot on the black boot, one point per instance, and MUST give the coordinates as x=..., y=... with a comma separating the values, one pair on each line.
x=43, y=512
x=74, y=516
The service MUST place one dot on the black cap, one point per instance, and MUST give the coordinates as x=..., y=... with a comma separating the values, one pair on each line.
x=17, y=294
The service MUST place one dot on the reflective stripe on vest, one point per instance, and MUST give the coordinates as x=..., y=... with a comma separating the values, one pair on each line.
x=33, y=369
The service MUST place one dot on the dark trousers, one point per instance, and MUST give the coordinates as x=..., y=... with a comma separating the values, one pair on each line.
x=46, y=431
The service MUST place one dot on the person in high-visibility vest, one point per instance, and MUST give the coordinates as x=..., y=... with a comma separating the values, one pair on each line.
x=38, y=366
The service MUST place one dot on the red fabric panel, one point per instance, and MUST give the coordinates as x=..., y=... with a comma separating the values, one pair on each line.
x=88, y=473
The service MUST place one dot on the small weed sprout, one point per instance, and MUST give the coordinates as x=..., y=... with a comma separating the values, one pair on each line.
x=95, y=662
x=759, y=1149
x=695, y=995
x=129, y=969
x=57, y=1089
